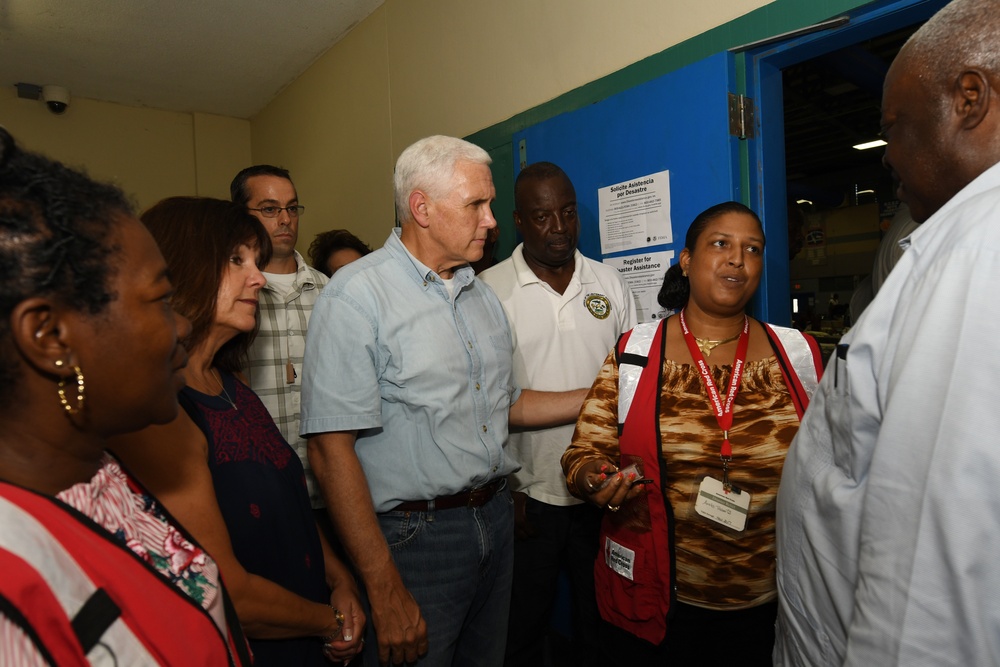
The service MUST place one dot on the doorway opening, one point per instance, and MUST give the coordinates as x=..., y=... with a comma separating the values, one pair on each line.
x=819, y=97
x=841, y=201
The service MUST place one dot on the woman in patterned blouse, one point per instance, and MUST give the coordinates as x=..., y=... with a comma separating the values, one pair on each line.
x=708, y=421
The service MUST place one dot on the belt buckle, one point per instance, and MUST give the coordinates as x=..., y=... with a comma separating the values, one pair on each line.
x=474, y=496
x=480, y=495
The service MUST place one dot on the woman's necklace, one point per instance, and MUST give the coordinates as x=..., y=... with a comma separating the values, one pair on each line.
x=225, y=394
x=706, y=346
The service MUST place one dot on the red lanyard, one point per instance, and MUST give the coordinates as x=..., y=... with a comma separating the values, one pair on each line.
x=723, y=411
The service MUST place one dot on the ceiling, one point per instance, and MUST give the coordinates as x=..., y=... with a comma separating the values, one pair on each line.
x=228, y=58
x=832, y=103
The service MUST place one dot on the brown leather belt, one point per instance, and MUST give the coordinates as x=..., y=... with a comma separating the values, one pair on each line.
x=471, y=498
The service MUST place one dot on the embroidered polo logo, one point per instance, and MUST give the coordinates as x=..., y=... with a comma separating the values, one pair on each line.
x=598, y=305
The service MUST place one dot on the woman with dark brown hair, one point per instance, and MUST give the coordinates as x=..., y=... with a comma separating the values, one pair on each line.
x=223, y=467
x=335, y=249
x=95, y=571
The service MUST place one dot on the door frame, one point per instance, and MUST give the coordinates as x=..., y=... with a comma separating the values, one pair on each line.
x=764, y=169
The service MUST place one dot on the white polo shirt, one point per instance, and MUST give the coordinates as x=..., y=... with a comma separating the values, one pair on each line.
x=561, y=340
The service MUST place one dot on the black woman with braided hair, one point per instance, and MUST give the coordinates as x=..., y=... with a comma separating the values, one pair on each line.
x=94, y=569
x=704, y=405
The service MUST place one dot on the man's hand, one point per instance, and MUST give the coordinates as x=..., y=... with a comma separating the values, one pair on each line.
x=399, y=627
x=523, y=529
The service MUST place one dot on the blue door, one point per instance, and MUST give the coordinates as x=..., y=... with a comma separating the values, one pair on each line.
x=678, y=123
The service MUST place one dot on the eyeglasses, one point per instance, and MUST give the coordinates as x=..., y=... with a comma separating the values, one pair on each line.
x=275, y=211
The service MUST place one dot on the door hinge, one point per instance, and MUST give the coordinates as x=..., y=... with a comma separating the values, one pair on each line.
x=741, y=116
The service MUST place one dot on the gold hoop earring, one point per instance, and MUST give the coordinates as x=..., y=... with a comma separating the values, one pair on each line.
x=70, y=410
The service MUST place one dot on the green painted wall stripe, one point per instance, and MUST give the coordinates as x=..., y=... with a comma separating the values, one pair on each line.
x=774, y=19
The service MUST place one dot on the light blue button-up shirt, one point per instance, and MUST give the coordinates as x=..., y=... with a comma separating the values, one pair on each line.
x=425, y=377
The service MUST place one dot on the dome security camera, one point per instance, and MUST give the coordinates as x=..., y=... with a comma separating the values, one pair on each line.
x=56, y=98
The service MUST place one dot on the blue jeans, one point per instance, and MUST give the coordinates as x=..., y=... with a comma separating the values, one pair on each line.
x=458, y=564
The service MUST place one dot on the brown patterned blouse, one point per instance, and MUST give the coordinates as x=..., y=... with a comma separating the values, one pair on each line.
x=717, y=567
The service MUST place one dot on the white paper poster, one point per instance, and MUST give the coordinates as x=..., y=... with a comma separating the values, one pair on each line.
x=644, y=275
x=635, y=213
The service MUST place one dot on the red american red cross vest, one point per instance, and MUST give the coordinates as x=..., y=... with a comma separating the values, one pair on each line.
x=82, y=597
x=634, y=574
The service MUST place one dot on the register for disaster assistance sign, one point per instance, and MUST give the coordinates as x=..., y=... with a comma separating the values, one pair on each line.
x=636, y=213
x=644, y=276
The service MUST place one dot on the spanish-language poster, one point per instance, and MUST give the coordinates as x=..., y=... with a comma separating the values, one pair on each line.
x=644, y=276
x=635, y=214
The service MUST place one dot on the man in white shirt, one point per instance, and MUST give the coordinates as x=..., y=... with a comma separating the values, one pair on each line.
x=566, y=312
x=888, y=506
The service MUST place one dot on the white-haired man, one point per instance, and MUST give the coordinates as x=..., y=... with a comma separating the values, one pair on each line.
x=408, y=386
x=887, y=512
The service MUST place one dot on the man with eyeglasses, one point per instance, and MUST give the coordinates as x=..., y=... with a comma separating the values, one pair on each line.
x=274, y=367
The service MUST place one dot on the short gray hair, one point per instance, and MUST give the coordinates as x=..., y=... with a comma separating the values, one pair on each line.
x=962, y=35
x=428, y=165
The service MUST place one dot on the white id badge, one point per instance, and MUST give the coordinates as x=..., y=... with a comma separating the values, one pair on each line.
x=714, y=503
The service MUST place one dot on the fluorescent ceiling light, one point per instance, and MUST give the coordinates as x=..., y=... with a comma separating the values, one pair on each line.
x=870, y=144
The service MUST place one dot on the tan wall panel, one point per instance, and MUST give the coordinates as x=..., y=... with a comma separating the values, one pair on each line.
x=458, y=66
x=222, y=148
x=149, y=153
x=331, y=129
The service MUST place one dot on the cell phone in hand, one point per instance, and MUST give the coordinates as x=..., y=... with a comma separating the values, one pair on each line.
x=625, y=472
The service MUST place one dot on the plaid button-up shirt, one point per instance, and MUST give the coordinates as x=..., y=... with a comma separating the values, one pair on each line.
x=281, y=338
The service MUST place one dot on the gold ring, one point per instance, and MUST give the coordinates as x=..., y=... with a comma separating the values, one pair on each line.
x=614, y=508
